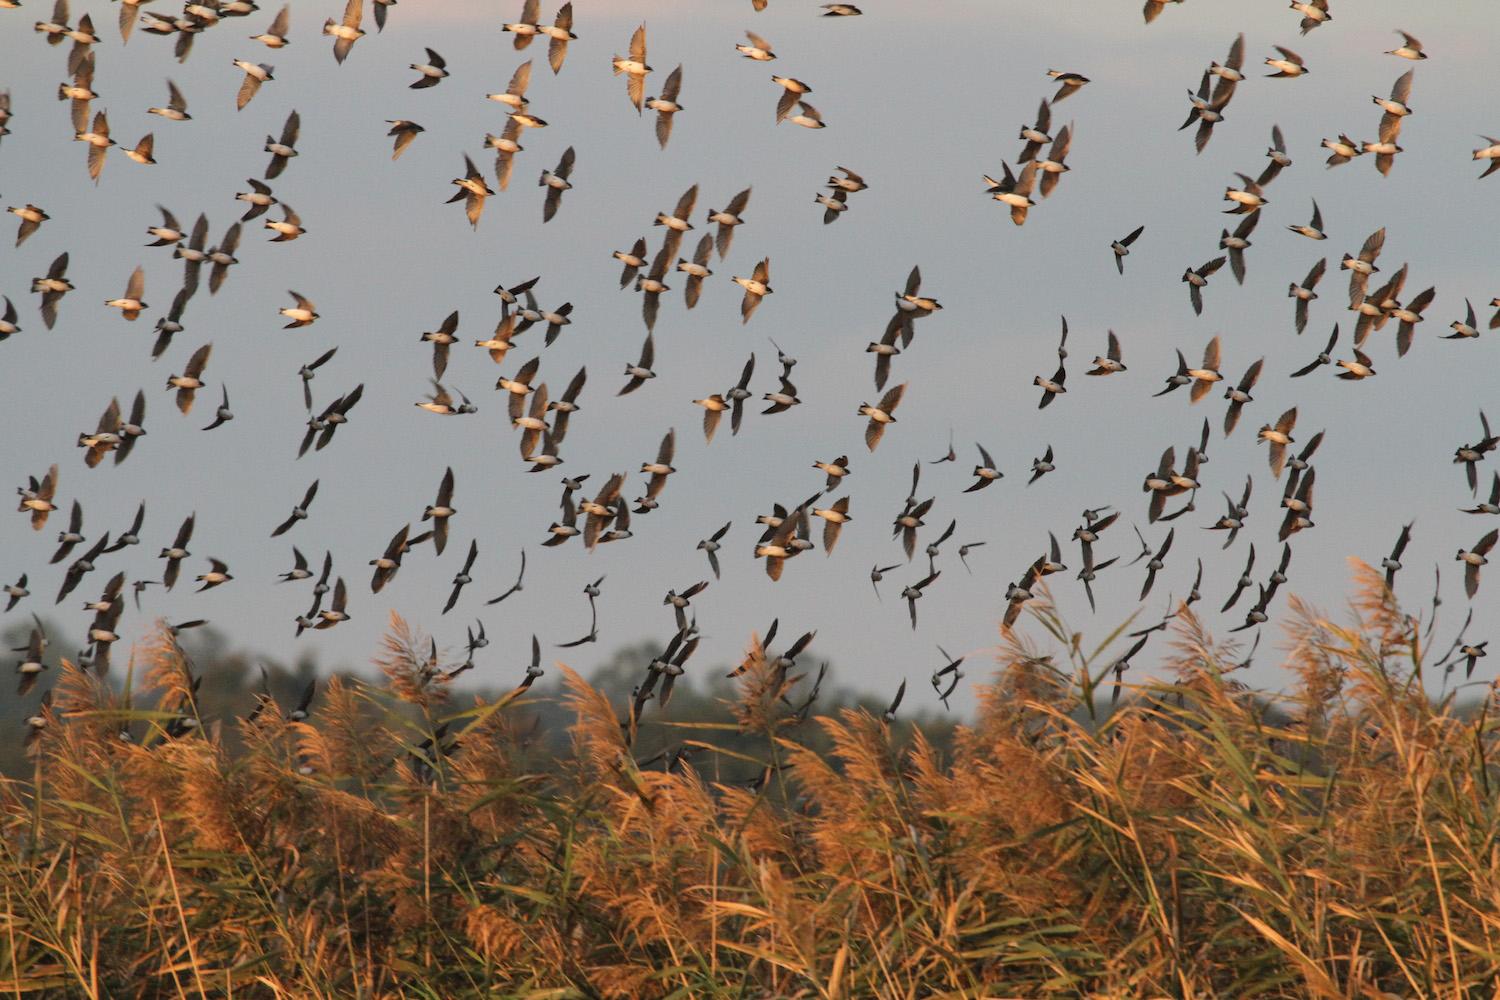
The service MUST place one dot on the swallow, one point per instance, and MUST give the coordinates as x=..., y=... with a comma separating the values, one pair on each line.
x=1490, y=152
x=130, y=304
x=283, y=149
x=696, y=270
x=15, y=592
x=441, y=339
x=1037, y=134
x=217, y=575
x=662, y=467
x=834, y=204
x=1392, y=563
x=1288, y=65
x=432, y=72
x=334, y=613
x=190, y=381
x=36, y=498
x=31, y=218
x=985, y=472
x=1297, y=499
x=1475, y=558
x=1470, y=454
x=1239, y=395
x=514, y=95
x=404, y=132
x=299, y=512
x=1361, y=367
x=346, y=32
x=176, y=109
x=1276, y=154
x=1396, y=105
x=731, y=216
x=308, y=372
x=274, y=37
x=1314, y=228
x=1465, y=328
x=641, y=370
x=29, y=668
x=69, y=539
x=1121, y=247
x=1236, y=243
x=462, y=579
x=1490, y=506
x=1208, y=106
x=1041, y=466
x=710, y=546
x=1160, y=483
x=1235, y=514
x=1385, y=147
x=1197, y=278
x=472, y=190
x=1017, y=594
x=681, y=602
x=1408, y=316
x=304, y=313
x=634, y=67
x=1054, y=165
x=259, y=198
x=566, y=405
x=835, y=470
x=1279, y=435
x=792, y=90
x=1068, y=83
x=1341, y=150
x=1158, y=562
x=666, y=106
x=881, y=414
x=912, y=593
x=1304, y=293
x=131, y=429
x=1013, y=191
x=299, y=570
x=834, y=518
x=98, y=140
x=1110, y=362
x=756, y=288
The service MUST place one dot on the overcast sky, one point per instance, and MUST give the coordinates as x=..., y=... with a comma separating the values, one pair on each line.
x=920, y=107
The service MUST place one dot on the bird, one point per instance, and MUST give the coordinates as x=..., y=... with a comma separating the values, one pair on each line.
x=1288, y=65
x=1236, y=243
x=431, y=73
x=1068, y=83
x=634, y=67
x=440, y=511
x=1197, y=278
x=756, y=288
x=1158, y=562
x=130, y=304
x=1239, y=395
x=666, y=106
x=472, y=191
x=881, y=414
x=1392, y=563
x=1041, y=466
x=1475, y=558
x=462, y=578
x=1121, y=247
x=31, y=217
x=283, y=149
x=985, y=472
x=347, y=31
x=1278, y=436
x=556, y=182
x=1304, y=293
x=404, y=132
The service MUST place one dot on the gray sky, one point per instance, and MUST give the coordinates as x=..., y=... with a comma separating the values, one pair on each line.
x=921, y=110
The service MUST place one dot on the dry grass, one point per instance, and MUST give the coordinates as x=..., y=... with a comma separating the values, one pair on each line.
x=1197, y=840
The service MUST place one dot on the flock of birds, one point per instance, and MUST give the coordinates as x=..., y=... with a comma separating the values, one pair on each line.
x=595, y=509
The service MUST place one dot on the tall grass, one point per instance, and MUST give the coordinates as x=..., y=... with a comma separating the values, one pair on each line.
x=1196, y=839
